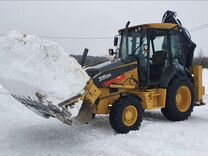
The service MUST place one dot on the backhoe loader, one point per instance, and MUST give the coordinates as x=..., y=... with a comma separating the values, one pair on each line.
x=152, y=69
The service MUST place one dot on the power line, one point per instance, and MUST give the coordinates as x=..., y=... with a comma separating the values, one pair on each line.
x=105, y=37
x=76, y=38
x=198, y=28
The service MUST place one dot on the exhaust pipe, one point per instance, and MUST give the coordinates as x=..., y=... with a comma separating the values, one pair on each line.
x=84, y=56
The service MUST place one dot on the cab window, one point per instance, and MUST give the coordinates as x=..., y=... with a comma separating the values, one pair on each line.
x=175, y=44
x=158, y=46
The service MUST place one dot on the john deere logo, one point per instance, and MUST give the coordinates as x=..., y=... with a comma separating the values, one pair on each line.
x=103, y=77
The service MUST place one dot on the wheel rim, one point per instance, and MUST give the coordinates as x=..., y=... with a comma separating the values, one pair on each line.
x=183, y=99
x=130, y=115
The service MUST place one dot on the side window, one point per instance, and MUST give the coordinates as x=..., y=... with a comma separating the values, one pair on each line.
x=160, y=43
x=175, y=45
x=141, y=43
x=130, y=40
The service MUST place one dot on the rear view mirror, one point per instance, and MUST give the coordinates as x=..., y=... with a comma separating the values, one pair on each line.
x=115, y=41
x=111, y=52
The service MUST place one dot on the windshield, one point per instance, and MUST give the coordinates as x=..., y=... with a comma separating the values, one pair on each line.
x=136, y=42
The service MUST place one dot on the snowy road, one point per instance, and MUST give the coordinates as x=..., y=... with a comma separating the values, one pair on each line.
x=24, y=133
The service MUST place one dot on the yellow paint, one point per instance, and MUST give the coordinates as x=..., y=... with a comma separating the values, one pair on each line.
x=101, y=99
x=129, y=115
x=165, y=26
x=199, y=88
x=123, y=86
x=183, y=99
x=91, y=94
x=152, y=98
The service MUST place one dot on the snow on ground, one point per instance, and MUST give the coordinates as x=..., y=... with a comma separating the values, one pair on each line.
x=24, y=133
x=205, y=80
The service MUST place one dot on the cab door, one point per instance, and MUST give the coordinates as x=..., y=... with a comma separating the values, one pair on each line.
x=159, y=48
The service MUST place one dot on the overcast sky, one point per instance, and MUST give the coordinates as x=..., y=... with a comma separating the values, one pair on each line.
x=97, y=19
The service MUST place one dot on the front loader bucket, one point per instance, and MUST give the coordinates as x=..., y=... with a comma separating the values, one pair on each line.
x=33, y=105
x=45, y=110
x=85, y=112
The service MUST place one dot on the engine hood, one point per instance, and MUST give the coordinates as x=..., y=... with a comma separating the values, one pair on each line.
x=109, y=70
x=92, y=71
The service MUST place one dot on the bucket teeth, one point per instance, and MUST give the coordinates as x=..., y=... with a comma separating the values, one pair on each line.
x=45, y=110
x=61, y=114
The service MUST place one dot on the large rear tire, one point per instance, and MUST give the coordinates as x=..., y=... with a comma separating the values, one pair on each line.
x=179, y=101
x=126, y=114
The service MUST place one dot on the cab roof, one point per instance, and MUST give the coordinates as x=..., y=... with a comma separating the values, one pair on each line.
x=164, y=26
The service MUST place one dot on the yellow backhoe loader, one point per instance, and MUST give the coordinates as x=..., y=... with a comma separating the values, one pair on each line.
x=152, y=70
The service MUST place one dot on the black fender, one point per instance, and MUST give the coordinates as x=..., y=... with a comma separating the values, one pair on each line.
x=174, y=71
x=168, y=74
x=131, y=94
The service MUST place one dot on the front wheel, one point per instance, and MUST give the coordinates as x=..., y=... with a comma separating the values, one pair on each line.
x=126, y=114
x=179, y=101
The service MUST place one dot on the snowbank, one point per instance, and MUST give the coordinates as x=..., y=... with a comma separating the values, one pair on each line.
x=29, y=65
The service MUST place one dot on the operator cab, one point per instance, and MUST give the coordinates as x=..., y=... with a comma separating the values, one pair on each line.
x=155, y=46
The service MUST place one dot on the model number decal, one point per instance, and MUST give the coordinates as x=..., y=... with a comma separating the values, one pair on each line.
x=103, y=77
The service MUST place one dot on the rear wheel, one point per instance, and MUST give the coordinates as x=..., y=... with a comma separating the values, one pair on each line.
x=126, y=114
x=179, y=101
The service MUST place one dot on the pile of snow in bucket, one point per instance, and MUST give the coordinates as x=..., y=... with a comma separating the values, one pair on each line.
x=29, y=65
